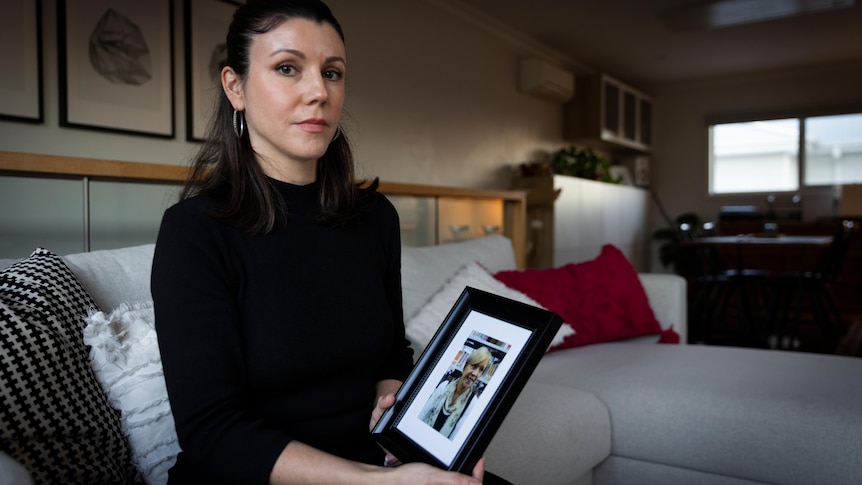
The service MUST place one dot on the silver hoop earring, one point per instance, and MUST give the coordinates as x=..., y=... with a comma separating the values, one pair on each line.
x=238, y=123
x=337, y=133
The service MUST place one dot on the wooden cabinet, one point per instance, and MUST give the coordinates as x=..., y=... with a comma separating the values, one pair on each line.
x=541, y=196
x=610, y=114
x=429, y=221
x=461, y=218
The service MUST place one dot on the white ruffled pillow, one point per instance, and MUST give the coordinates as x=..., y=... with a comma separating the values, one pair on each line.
x=125, y=357
x=421, y=328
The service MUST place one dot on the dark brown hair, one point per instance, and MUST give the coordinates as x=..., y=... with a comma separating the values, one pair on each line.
x=225, y=165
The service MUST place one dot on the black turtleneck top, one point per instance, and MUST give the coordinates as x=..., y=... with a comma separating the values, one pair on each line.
x=278, y=337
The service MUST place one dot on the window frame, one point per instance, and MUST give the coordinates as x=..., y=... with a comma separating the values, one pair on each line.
x=801, y=116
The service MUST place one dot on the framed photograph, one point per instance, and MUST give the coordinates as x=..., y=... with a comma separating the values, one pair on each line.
x=466, y=380
x=21, y=58
x=116, y=65
x=206, y=27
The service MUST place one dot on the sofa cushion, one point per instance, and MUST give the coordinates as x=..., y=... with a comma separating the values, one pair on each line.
x=422, y=327
x=5, y=263
x=762, y=415
x=425, y=269
x=12, y=472
x=124, y=354
x=552, y=435
x=602, y=299
x=55, y=418
x=115, y=276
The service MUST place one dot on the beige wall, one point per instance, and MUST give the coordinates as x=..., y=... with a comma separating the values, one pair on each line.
x=432, y=99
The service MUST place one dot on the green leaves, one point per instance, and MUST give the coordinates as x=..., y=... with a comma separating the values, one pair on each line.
x=671, y=253
x=583, y=163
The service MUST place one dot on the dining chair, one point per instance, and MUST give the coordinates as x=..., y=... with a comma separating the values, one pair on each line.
x=806, y=297
x=723, y=294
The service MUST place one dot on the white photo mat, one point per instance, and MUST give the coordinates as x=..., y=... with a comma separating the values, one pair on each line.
x=437, y=444
x=516, y=334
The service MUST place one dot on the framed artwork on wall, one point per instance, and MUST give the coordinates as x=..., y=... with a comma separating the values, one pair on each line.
x=206, y=24
x=116, y=66
x=465, y=382
x=21, y=58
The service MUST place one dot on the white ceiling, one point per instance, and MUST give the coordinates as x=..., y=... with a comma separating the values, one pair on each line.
x=625, y=38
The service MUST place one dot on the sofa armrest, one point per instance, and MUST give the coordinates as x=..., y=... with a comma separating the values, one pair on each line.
x=667, y=297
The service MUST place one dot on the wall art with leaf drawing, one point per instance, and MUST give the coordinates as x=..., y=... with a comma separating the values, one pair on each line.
x=116, y=65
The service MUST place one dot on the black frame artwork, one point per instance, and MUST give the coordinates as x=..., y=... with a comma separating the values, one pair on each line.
x=516, y=334
x=21, y=95
x=124, y=86
x=206, y=24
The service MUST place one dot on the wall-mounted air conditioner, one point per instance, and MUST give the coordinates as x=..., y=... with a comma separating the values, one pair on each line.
x=543, y=79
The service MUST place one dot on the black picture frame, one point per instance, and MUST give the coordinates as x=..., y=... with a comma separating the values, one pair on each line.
x=519, y=334
x=206, y=24
x=21, y=91
x=122, y=87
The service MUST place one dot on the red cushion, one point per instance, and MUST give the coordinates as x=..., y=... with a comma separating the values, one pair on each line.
x=602, y=299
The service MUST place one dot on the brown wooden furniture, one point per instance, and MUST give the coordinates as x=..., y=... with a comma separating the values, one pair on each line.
x=55, y=166
x=847, y=285
x=732, y=287
x=610, y=114
x=541, y=197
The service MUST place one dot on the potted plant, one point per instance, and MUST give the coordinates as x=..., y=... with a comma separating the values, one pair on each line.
x=583, y=163
x=671, y=253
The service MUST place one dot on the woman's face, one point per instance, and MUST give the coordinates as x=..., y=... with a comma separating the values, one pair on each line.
x=470, y=375
x=292, y=96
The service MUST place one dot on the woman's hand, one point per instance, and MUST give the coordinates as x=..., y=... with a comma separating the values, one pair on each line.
x=417, y=472
x=384, y=403
x=427, y=474
x=300, y=463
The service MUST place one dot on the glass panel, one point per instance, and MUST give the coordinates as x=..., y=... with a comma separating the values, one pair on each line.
x=462, y=219
x=758, y=156
x=127, y=214
x=646, y=122
x=833, y=150
x=612, y=108
x=40, y=212
x=630, y=118
x=418, y=217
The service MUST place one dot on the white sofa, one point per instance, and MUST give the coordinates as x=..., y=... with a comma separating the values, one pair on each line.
x=632, y=412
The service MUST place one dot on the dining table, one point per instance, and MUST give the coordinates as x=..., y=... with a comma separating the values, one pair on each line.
x=742, y=265
x=741, y=240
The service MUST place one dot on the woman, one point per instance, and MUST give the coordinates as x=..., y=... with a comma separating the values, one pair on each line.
x=448, y=402
x=276, y=279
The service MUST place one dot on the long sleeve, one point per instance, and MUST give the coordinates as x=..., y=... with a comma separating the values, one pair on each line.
x=278, y=337
x=400, y=361
x=193, y=285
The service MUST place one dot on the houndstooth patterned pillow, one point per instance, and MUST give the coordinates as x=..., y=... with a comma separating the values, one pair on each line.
x=54, y=418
